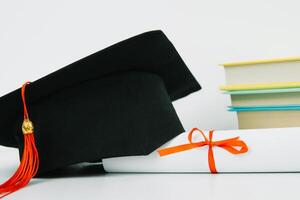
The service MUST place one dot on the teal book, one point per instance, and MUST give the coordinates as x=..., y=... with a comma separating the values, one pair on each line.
x=263, y=108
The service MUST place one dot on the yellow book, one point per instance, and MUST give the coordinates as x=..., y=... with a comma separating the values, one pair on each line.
x=266, y=61
x=263, y=71
x=279, y=85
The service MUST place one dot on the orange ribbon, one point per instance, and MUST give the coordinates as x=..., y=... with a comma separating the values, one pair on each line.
x=228, y=145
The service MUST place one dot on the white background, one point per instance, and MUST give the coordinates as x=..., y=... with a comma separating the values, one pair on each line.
x=39, y=37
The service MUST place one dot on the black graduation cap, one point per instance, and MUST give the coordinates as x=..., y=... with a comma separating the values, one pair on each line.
x=116, y=102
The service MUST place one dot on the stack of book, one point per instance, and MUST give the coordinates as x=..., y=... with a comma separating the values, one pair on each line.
x=264, y=93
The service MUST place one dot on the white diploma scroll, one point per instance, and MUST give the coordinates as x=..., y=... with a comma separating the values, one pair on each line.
x=269, y=150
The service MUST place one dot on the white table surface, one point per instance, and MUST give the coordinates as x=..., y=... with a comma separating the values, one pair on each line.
x=86, y=182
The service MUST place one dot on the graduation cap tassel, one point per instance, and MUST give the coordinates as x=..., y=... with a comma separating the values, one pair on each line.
x=30, y=160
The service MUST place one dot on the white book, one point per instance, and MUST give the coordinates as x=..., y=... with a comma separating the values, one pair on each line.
x=269, y=150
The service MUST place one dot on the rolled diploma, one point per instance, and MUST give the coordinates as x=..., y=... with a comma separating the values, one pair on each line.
x=270, y=150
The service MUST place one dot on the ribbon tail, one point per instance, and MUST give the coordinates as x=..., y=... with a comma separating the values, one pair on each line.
x=211, y=161
x=176, y=149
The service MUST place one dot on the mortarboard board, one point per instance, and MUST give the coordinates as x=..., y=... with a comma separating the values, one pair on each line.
x=116, y=102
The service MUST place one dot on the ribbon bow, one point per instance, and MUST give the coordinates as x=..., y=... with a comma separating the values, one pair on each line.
x=227, y=144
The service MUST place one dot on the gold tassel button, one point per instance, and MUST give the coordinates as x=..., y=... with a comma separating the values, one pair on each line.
x=27, y=127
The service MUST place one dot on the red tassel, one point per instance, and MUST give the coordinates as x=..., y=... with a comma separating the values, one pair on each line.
x=30, y=160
